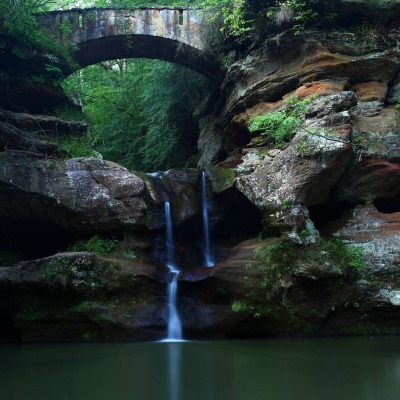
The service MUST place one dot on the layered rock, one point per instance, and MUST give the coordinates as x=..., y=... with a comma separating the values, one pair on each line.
x=80, y=296
x=35, y=134
x=338, y=177
x=347, y=151
x=313, y=295
x=319, y=63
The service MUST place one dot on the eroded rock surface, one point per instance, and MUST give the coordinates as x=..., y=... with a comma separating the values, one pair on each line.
x=79, y=194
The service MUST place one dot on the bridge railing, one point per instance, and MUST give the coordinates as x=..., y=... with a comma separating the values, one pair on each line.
x=183, y=24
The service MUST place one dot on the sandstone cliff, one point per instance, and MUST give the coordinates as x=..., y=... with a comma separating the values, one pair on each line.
x=303, y=201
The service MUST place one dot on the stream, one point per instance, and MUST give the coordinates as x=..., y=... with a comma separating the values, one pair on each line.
x=359, y=368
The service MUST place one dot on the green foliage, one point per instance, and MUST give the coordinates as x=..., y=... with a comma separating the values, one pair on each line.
x=299, y=14
x=76, y=146
x=95, y=245
x=65, y=27
x=129, y=254
x=31, y=312
x=18, y=21
x=304, y=14
x=69, y=113
x=140, y=111
x=398, y=104
x=277, y=264
x=279, y=127
x=354, y=256
x=238, y=20
x=88, y=336
x=59, y=270
x=83, y=271
x=369, y=35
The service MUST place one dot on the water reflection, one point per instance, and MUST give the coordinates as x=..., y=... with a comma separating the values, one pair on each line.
x=294, y=369
x=174, y=370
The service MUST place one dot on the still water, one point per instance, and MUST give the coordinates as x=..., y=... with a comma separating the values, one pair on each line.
x=295, y=369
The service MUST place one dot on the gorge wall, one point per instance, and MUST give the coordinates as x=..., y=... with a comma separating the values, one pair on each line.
x=279, y=216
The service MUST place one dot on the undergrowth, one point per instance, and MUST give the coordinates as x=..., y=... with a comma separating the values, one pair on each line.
x=276, y=267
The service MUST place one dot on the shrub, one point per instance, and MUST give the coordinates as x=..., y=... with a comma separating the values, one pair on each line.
x=94, y=245
x=76, y=146
x=280, y=127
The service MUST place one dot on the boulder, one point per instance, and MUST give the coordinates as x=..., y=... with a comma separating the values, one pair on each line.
x=295, y=177
x=81, y=296
x=81, y=194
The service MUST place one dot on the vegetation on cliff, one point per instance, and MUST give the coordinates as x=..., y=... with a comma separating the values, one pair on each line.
x=279, y=264
x=141, y=111
x=20, y=29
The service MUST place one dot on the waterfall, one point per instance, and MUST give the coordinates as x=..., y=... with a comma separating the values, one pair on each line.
x=174, y=322
x=209, y=261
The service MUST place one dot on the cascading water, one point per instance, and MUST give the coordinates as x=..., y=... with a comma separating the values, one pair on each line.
x=209, y=261
x=174, y=322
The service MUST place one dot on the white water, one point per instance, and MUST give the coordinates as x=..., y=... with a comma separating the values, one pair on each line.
x=174, y=322
x=209, y=261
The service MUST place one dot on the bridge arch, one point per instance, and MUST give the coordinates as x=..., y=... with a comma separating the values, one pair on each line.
x=169, y=34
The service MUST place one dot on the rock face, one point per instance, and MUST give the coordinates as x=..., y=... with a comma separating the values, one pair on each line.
x=35, y=134
x=347, y=151
x=336, y=182
x=78, y=194
x=18, y=93
x=375, y=232
x=79, y=296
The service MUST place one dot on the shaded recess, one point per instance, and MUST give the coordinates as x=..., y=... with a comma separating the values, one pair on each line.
x=234, y=218
x=7, y=330
x=322, y=214
x=387, y=206
x=25, y=240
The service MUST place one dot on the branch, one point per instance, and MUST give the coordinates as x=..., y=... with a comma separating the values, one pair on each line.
x=119, y=108
x=331, y=139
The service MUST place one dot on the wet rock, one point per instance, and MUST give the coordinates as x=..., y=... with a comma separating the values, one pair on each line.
x=314, y=296
x=222, y=179
x=181, y=187
x=210, y=143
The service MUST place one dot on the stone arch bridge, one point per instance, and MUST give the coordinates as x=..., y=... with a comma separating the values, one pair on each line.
x=170, y=34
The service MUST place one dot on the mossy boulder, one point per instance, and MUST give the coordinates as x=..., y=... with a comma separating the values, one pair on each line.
x=222, y=179
x=82, y=296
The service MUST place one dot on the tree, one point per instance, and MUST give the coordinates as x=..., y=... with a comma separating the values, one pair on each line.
x=140, y=115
